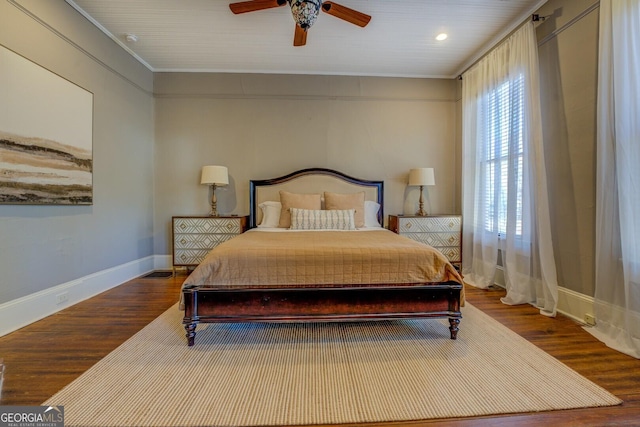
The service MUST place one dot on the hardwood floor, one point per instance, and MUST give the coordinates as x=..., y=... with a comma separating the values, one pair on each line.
x=43, y=357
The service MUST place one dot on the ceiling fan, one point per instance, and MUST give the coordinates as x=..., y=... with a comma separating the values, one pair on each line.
x=305, y=13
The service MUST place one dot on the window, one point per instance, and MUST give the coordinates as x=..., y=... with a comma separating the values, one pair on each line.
x=502, y=156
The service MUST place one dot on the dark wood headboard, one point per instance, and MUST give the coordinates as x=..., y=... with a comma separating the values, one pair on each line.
x=311, y=180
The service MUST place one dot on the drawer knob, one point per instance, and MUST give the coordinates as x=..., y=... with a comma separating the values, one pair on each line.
x=452, y=239
x=451, y=224
x=183, y=226
x=183, y=256
x=408, y=225
x=229, y=226
x=183, y=241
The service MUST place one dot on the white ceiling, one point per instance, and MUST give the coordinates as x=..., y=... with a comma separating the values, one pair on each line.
x=204, y=36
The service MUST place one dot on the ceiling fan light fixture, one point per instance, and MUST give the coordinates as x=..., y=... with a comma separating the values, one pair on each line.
x=305, y=12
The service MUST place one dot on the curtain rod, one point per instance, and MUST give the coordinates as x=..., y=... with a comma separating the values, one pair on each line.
x=541, y=18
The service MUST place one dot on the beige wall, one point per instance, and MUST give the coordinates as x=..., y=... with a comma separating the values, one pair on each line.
x=44, y=246
x=263, y=126
x=568, y=51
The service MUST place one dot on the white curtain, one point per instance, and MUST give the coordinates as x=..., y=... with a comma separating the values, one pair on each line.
x=505, y=200
x=617, y=295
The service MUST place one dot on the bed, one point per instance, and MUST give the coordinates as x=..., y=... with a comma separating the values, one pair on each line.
x=296, y=265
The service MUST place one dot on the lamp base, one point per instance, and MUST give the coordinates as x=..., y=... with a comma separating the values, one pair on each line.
x=421, y=211
x=214, y=202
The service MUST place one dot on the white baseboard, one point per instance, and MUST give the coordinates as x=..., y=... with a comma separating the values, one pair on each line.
x=28, y=309
x=162, y=262
x=574, y=304
x=570, y=303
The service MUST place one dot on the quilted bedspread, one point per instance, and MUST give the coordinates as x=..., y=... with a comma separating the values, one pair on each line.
x=321, y=259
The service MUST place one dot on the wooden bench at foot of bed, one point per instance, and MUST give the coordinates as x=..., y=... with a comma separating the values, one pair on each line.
x=312, y=304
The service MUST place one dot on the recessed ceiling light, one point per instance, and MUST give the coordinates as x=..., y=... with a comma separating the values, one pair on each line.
x=441, y=36
x=131, y=38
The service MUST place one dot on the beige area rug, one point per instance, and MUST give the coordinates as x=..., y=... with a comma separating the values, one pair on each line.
x=278, y=374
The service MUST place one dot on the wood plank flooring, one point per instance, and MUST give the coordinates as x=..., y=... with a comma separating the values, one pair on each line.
x=43, y=357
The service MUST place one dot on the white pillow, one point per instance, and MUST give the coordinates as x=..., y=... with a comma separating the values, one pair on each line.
x=311, y=219
x=371, y=214
x=270, y=214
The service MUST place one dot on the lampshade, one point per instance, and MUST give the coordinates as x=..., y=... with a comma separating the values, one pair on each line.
x=218, y=175
x=422, y=176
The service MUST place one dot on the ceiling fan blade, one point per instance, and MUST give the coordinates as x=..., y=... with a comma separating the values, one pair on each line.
x=343, y=12
x=300, y=36
x=253, y=5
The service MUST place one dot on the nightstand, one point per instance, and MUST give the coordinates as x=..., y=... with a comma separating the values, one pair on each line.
x=443, y=232
x=195, y=236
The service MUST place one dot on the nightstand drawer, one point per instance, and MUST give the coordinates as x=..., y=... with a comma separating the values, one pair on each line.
x=453, y=254
x=429, y=224
x=200, y=241
x=435, y=239
x=211, y=225
x=189, y=257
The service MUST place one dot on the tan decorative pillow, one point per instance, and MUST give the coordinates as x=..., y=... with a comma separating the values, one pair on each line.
x=294, y=200
x=333, y=201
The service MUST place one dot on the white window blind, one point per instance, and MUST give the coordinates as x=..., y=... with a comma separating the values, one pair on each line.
x=502, y=156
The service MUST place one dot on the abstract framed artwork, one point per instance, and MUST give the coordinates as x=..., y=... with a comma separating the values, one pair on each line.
x=46, y=136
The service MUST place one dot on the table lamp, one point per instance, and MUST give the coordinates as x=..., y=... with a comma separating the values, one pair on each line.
x=214, y=176
x=421, y=177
